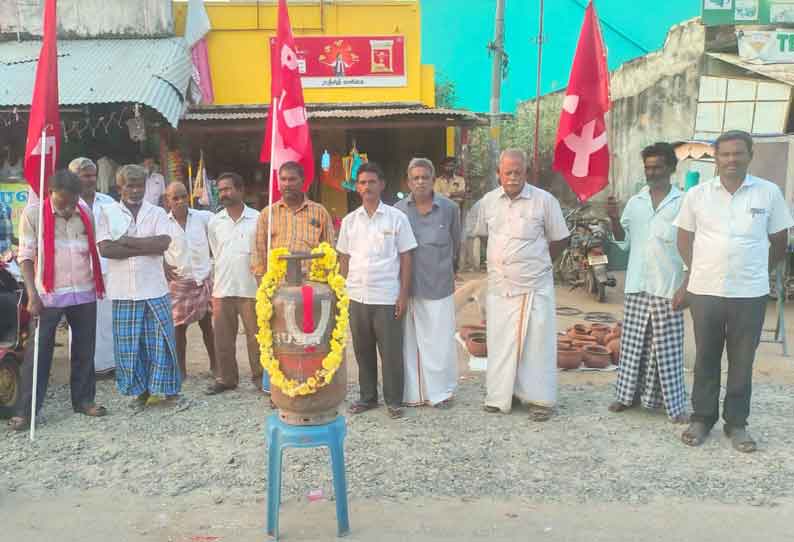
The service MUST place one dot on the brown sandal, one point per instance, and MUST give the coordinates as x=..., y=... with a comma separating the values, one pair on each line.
x=19, y=423
x=93, y=411
x=540, y=413
x=360, y=406
x=695, y=434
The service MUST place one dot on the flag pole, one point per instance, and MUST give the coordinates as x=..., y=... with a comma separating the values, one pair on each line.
x=536, y=157
x=39, y=262
x=273, y=129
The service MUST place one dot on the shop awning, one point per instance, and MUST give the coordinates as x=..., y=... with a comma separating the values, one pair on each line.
x=152, y=72
x=348, y=111
x=779, y=72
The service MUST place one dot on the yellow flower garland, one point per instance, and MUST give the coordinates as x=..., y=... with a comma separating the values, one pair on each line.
x=325, y=269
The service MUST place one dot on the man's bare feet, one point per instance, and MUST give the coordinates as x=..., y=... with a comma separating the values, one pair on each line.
x=740, y=439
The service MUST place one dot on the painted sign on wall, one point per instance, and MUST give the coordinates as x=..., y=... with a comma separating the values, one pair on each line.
x=738, y=12
x=767, y=46
x=350, y=61
x=14, y=195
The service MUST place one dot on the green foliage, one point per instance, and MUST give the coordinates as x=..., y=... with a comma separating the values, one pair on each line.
x=445, y=92
x=519, y=132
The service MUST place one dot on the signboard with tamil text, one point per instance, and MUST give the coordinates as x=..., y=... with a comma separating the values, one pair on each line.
x=767, y=46
x=740, y=12
x=350, y=61
x=15, y=196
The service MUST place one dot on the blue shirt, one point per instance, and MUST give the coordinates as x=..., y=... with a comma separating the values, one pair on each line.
x=6, y=227
x=655, y=267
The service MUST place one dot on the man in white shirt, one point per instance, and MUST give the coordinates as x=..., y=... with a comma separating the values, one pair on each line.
x=155, y=183
x=187, y=269
x=731, y=231
x=375, y=244
x=526, y=231
x=133, y=235
x=231, y=234
x=651, y=369
x=104, y=357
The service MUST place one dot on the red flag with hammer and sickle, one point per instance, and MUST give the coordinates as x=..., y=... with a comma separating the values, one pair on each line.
x=44, y=115
x=291, y=128
x=581, y=153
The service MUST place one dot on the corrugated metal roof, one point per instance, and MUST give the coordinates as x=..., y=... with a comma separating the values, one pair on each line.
x=779, y=72
x=331, y=111
x=153, y=72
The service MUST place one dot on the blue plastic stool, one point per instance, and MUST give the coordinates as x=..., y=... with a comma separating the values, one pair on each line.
x=279, y=436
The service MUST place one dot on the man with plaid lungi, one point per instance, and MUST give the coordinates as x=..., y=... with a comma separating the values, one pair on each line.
x=651, y=369
x=187, y=269
x=133, y=235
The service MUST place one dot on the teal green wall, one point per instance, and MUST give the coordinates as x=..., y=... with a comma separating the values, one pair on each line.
x=455, y=34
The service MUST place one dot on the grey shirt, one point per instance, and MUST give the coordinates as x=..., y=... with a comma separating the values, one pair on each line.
x=438, y=236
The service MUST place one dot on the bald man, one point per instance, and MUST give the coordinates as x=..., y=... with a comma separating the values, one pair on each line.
x=526, y=232
x=187, y=267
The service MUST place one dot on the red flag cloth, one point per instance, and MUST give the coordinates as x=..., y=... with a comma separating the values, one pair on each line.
x=48, y=258
x=44, y=114
x=293, y=137
x=581, y=153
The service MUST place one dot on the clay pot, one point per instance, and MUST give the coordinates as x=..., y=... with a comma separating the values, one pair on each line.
x=568, y=358
x=476, y=344
x=599, y=331
x=614, y=350
x=596, y=357
x=465, y=331
x=579, y=330
x=564, y=343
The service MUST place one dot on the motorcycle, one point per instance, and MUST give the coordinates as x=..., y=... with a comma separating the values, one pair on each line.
x=584, y=262
x=14, y=319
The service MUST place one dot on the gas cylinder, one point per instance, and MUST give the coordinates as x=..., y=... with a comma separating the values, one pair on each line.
x=304, y=317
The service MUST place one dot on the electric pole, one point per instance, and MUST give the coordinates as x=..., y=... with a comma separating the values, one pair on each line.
x=497, y=48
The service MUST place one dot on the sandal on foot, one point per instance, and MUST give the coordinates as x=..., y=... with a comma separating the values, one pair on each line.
x=491, y=409
x=395, y=413
x=695, y=434
x=360, y=406
x=19, y=423
x=444, y=405
x=680, y=419
x=92, y=410
x=740, y=439
x=617, y=406
x=540, y=414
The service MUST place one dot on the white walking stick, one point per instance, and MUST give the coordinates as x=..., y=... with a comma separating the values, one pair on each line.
x=39, y=260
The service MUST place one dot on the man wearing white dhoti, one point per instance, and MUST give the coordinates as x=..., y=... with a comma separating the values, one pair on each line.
x=429, y=349
x=526, y=231
x=104, y=359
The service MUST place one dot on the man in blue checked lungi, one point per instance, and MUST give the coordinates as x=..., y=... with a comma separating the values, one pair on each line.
x=651, y=369
x=133, y=235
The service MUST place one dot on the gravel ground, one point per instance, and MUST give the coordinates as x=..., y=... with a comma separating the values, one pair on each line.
x=584, y=454
x=216, y=450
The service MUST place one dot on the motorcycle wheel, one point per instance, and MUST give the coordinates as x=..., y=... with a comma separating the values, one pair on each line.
x=10, y=385
x=597, y=288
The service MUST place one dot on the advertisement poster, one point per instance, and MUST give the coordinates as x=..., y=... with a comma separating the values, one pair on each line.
x=746, y=10
x=767, y=46
x=350, y=61
x=781, y=12
x=717, y=4
x=14, y=195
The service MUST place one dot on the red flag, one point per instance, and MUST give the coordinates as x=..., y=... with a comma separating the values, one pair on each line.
x=581, y=153
x=44, y=114
x=292, y=135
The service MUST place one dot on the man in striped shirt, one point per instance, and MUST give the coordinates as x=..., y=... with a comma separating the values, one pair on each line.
x=299, y=224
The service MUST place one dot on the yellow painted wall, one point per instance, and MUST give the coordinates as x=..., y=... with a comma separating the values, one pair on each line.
x=240, y=52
